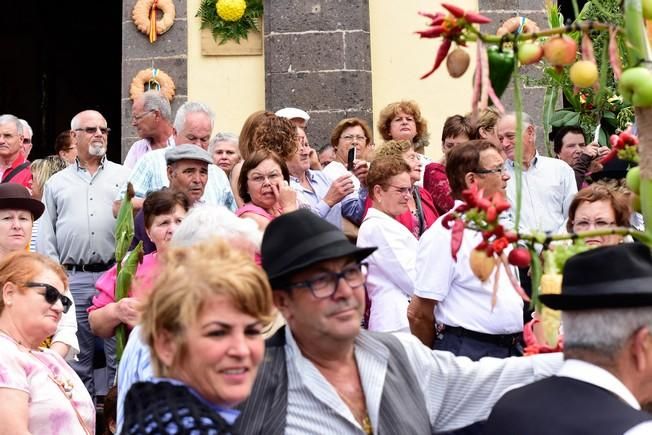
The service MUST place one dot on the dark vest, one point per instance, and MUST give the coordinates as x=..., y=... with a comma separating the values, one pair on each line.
x=561, y=405
x=402, y=405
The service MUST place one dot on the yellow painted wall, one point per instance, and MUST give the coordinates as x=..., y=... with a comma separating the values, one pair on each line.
x=233, y=86
x=399, y=58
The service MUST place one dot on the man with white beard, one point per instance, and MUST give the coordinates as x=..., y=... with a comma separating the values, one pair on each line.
x=77, y=228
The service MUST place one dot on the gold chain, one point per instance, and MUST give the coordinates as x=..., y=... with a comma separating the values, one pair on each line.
x=363, y=419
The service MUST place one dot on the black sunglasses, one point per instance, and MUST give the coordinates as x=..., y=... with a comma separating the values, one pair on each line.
x=92, y=130
x=51, y=295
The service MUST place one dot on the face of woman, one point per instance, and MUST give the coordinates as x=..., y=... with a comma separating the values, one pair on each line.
x=163, y=227
x=393, y=198
x=403, y=127
x=226, y=155
x=594, y=216
x=224, y=350
x=260, y=180
x=351, y=136
x=15, y=230
x=412, y=159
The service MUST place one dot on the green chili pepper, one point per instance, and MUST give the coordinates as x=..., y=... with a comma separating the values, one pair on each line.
x=501, y=65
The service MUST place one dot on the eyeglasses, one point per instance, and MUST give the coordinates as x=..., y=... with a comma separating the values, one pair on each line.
x=500, y=171
x=260, y=178
x=141, y=116
x=350, y=138
x=92, y=130
x=403, y=190
x=51, y=295
x=585, y=224
x=324, y=284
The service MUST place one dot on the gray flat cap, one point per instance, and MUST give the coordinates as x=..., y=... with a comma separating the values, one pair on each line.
x=187, y=152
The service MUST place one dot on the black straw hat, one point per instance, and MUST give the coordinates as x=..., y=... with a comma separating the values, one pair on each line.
x=617, y=276
x=297, y=240
x=16, y=197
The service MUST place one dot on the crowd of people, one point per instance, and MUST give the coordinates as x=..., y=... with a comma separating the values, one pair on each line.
x=288, y=288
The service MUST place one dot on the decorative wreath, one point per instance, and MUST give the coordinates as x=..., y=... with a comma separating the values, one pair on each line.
x=230, y=19
x=517, y=25
x=144, y=16
x=152, y=78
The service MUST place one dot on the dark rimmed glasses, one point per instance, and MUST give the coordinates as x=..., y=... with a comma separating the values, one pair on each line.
x=500, y=171
x=324, y=284
x=92, y=130
x=52, y=295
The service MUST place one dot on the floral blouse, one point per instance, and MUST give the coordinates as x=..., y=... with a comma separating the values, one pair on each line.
x=436, y=183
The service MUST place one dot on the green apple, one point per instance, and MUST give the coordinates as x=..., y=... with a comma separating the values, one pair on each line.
x=631, y=79
x=642, y=96
x=633, y=179
x=530, y=52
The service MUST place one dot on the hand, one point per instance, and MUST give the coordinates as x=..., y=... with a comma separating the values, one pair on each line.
x=360, y=170
x=127, y=311
x=591, y=150
x=339, y=189
x=597, y=154
x=286, y=197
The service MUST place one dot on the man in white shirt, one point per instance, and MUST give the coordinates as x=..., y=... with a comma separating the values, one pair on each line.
x=548, y=184
x=606, y=303
x=447, y=293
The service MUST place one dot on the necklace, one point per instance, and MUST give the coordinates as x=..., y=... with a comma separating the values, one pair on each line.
x=363, y=418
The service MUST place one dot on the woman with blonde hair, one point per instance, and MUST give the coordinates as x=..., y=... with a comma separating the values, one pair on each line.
x=203, y=324
x=42, y=170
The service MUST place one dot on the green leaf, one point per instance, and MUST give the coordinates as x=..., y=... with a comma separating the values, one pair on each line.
x=549, y=103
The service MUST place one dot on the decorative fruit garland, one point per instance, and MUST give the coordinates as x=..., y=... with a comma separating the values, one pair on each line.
x=152, y=78
x=144, y=16
x=230, y=19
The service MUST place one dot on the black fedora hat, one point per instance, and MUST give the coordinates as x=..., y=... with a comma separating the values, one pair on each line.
x=297, y=240
x=617, y=276
x=16, y=197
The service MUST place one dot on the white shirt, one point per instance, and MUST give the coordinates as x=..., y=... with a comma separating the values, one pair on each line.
x=463, y=300
x=335, y=170
x=548, y=187
x=594, y=375
x=390, y=281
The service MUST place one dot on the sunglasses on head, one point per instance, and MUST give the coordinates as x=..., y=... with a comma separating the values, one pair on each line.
x=51, y=295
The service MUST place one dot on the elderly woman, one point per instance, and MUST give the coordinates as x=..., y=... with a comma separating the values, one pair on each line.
x=390, y=281
x=164, y=210
x=18, y=211
x=264, y=187
x=402, y=120
x=421, y=211
x=39, y=391
x=350, y=133
x=599, y=206
x=223, y=148
x=203, y=324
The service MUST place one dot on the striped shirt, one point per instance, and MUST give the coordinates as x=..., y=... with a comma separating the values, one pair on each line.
x=457, y=390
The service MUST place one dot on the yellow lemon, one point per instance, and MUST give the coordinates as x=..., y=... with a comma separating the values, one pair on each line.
x=230, y=10
x=583, y=73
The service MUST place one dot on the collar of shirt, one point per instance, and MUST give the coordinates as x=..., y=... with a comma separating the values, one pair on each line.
x=80, y=167
x=592, y=374
x=533, y=162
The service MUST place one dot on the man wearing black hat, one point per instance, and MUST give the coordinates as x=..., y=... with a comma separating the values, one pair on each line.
x=606, y=304
x=322, y=374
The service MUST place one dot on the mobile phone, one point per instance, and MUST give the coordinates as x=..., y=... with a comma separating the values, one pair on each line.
x=351, y=158
x=596, y=135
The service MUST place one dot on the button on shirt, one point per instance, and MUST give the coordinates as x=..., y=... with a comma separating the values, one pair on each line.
x=547, y=190
x=351, y=206
x=464, y=300
x=78, y=224
x=150, y=174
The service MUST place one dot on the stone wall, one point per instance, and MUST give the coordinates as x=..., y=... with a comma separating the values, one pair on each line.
x=168, y=53
x=317, y=58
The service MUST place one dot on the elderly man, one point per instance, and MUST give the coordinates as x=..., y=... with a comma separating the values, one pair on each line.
x=151, y=115
x=548, y=184
x=14, y=168
x=193, y=125
x=77, y=227
x=606, y=304
x=188, y=173
x=323, y=374
x=448, y=297
x=27, y=138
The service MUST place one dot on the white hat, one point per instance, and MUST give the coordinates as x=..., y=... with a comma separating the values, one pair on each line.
x=291, y=113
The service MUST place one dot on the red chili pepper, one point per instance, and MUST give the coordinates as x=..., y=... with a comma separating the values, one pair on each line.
x=455, y=10
x=432, y=32
x=483, y=203
x=612, y=155
x=486, y=235
x=615, y=141
x=628, y=138
x=456, y=237
x=462, y=208
x=436, y=19
x=499, y=201
x=614, y=55
x=482, y=245
x=500, y=244
x=441, y=55
x=446, y=221
x=492, y=214
x=473, y=17
x=511, y=236
x=499, y=231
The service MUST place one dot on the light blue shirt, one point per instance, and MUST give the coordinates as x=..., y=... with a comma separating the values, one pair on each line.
x=548, y=188
x=150, y=174
x=351, y=206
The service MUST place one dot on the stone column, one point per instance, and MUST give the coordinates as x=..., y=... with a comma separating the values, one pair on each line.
x=317, y=58
x=168, y=53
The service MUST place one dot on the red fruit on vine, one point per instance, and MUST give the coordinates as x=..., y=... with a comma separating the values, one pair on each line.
x=511, y=236
x=519, y=257
x=492, y=214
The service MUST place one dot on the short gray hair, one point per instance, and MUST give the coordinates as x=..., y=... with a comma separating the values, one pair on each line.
x=154, y=100
x=223, y=137
x=527, y=119
x=26, y=127
x=206, y=222
x=188, y=108
x=74, y=122
x=603, y=331
x=9, y=118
